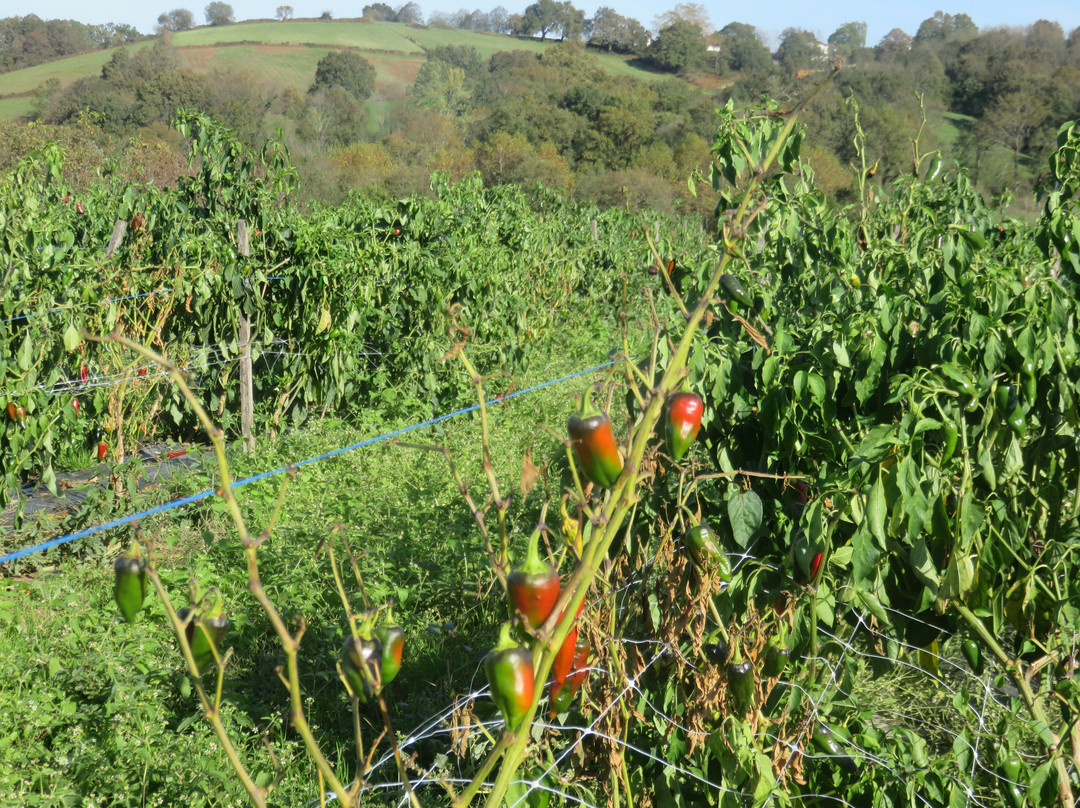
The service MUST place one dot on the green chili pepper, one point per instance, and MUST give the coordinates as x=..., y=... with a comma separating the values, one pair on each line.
x=129, y=584
x=1031, y=385
x=1013, y=770
x=825, y=738
x=777, y=655
x=705, y=550
x=207, y=628
x=594, y=443
x=734, y=290
x=950, y=433
x=509, y=669
x=683, y=422
x=973, y=655
x=716, y=652
x=961, y=384
x=1017, y=423
x=741, y=681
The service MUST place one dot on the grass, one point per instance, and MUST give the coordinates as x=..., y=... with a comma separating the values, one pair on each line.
x=66, y=71
x=378, y=36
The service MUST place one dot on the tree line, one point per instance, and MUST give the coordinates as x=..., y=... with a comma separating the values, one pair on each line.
x=994, y=99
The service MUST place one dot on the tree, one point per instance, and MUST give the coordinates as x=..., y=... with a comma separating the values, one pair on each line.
x=610, y=30
x=179, y=19
x=942, y=28
x=346, y=69
x=284, y=12
x=895, y=43
x=572, y=20
x=684, y=12
x=443, y=88
x=218, y=13
x=799, y=50
x=679, y=47
x=377, y=12
x=409, y=14
x=542, y=17
x=848, y=38
x=499, y=20
x=743, y=50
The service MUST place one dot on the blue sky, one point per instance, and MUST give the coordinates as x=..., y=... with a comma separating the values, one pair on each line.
x=769, y=16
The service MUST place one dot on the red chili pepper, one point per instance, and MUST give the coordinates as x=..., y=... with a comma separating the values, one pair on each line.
x=509, y=669
x=83, y=374
x=533, y=586
x=564, y=660
x=562, y=694
x=79, y=207
x=815, y=567
x=20, y=415
x=11, y=411
x=75, y=404
x=594, y=443
x=102, y=449
x=683, y=422
x=180, y=453
x=142, y=371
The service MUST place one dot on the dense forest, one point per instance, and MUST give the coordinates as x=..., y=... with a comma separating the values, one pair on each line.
x=991, y=101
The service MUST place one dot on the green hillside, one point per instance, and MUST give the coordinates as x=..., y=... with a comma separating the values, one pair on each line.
x=66, y=71
x=285, y=54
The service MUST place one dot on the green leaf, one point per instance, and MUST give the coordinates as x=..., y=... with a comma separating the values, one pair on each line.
x=72, y=338
x=864, y=555
x=877, y=510
x=744, y=514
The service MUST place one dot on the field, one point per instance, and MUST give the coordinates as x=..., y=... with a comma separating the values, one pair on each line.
x=284, y=54
x=782, y=514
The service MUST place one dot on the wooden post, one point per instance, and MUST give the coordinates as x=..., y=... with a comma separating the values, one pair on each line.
x=247, y=393
x=117, y=236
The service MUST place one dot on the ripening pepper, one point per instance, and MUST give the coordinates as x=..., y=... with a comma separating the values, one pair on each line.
x=683, y=421
x=562, y=693
x=361, y=659
x=740, y=679
x=594, y=444
x=533, y=586
x=509, y=669
x=391, y=638
x=11, y=410
x=129, y=584
x=808, y=557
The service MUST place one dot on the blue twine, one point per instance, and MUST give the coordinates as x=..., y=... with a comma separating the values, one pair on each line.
x=177, y=503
